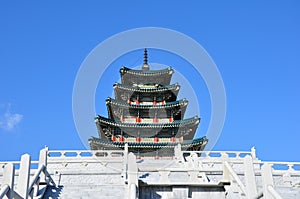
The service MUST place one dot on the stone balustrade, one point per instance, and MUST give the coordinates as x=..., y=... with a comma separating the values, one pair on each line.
x=85, y=154
x=239, y=172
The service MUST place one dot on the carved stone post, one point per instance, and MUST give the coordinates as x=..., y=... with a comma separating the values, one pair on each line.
x=267, y=179
x=23, y=181
x=178, y=153
x=250, y=177
x=8, y=179
x=43, y=161
x=132, y=176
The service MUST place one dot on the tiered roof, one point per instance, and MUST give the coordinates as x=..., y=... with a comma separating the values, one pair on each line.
x=146, y=114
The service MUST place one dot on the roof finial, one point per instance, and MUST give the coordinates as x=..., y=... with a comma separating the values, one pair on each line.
x=145, y=56
x=145, y=66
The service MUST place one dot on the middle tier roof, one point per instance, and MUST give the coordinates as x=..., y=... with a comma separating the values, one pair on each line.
x=118, y=109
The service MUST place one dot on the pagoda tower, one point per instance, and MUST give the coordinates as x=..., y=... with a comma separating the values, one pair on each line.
x=146, y=115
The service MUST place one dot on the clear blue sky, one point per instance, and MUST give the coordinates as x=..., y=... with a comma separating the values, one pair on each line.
x=256, y=46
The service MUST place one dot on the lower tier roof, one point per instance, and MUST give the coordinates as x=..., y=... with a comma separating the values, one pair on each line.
x=194, y=145
x=186, y=128
x=194, y=121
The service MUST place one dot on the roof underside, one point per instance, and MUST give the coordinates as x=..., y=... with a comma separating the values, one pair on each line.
x=131, y=76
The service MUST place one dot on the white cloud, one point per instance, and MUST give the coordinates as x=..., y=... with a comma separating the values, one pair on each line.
x=8, y=120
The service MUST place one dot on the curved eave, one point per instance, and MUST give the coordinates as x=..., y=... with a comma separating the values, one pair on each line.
x=173, y=88
x=102, y=121
x=196, y=143
x=167, y=71
x=182, y=103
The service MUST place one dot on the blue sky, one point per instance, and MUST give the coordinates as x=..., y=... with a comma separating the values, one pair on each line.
x=256, y=46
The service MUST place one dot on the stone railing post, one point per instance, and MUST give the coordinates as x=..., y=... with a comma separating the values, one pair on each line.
x=268, y=183
x=230, y=175
x=125, y=162
x=24, y=174
x=8, y=179
x=132, y=172
x=178, y=153
x=253, y=152
x=251, y=189
x=43, y=161
x=126, y=153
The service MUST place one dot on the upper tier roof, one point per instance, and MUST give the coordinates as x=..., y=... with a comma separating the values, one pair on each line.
x=137, y=77
x=125, y=92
